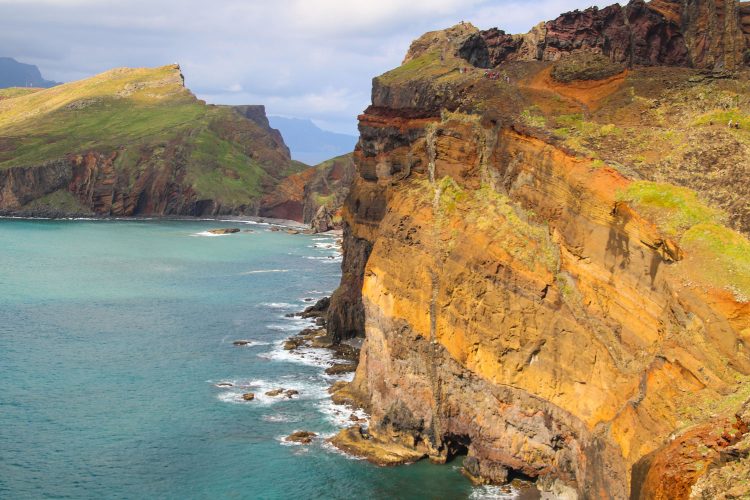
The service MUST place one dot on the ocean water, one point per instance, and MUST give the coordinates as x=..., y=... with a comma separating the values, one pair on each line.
x=113, y=336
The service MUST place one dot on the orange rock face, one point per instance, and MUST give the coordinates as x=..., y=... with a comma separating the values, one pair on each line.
x=299, y=196
x=516, y=309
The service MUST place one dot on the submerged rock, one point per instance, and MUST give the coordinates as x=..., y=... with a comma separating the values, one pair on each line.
x=229, y=230
x=241, y=343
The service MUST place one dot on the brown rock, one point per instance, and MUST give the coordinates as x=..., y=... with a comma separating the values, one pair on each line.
x=248, y=396
x=356, y=441
x=291, y=393
x=293, y=343
x=661, y=32
x=512, y=307
x=339, y=368
x=323, y=220
x=317, y=310
x=302, y=437
x=241, y=343
x=275, y=392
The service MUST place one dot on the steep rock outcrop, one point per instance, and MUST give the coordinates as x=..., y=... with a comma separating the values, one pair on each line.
x=519, y=303
x=257, y=113
x=300, y=196
x=698, y=34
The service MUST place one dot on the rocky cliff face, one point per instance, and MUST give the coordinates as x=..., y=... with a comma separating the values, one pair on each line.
x=135, y=142
x=537, y=284
x=301, y=196
x=699, y=34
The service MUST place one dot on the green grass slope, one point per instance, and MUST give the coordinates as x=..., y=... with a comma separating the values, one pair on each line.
x=151, y=121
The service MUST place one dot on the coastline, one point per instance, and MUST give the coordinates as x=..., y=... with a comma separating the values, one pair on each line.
x=218, y=218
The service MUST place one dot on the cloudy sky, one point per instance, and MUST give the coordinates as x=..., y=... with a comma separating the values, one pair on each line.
x=301, y=58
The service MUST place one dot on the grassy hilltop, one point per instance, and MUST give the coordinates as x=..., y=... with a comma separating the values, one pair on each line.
x=149, y=123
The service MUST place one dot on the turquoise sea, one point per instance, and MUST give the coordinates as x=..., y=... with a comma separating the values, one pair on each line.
x=113, y=336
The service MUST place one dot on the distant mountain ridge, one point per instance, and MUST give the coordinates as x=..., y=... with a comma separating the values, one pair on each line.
x=309, y=143
x=17, y=74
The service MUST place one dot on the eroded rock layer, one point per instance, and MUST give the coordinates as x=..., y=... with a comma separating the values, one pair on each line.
x=700, y=34
x=530, y=304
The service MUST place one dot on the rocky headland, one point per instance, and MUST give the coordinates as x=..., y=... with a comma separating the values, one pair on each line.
x=136, y=142
x=546, y=254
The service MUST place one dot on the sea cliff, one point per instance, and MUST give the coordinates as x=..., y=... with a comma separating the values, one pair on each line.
x=550, y=273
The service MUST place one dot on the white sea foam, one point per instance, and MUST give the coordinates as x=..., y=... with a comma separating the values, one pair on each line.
x=280, y=418
x=332, y=449
x=332, y=259
x=278, y=305
x=263, y=271
x=288, y=327
x=208, y=234
x=310, y=356
x=243, y=222
x=250, y=343
x=493, y=493
x=340, y=415
x=306, y=390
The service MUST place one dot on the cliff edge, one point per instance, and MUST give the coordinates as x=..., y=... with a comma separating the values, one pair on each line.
x=545, y=250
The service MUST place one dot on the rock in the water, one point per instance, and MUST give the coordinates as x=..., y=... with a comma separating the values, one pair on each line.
x=356, y=441
x=228, y=230
x=293, y=343
x=318, y=310
x=248, y=396
x=302, y=437
x=241, y=343
x=291, y=392
x=224, y=385
x=484, y=472
x=340, y=368
x=323, y=220
x=274, y=392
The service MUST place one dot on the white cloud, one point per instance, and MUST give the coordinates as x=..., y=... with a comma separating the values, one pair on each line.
x=311, y=59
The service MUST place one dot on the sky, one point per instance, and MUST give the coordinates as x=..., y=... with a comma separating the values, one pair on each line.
x=311, y=59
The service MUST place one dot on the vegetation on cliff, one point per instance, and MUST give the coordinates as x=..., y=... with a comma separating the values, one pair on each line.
x=551, y=273
x=301, y=196
x=150, y=124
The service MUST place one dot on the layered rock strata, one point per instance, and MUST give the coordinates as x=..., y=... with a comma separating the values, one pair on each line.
x=700, y=34
x=517, y=306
